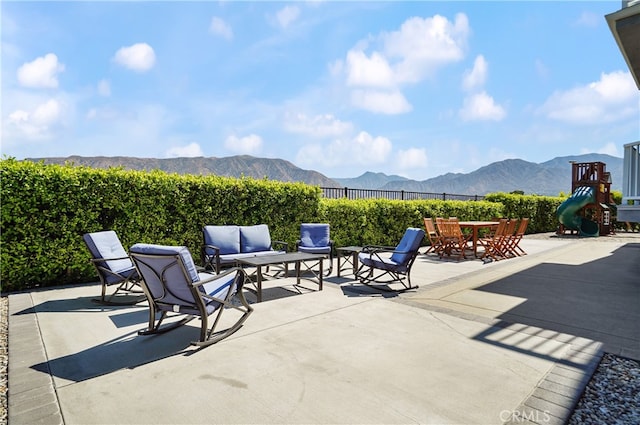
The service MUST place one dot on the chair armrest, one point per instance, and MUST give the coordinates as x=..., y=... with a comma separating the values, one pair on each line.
x=216, y=255
x=284, y=246
x=102, y=260
x=370, y=249
x=217, y=276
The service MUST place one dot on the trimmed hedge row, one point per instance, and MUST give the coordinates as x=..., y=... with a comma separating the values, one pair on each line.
x=47, y=208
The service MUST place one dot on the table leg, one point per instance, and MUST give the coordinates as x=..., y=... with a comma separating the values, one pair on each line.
x=259, y=283
x=354, y=262
x=320, y=275
x=475, y=241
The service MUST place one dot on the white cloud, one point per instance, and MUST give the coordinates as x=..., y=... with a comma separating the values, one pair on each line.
x=37, y=124
x=406, y=56
x=609, y=149
x=411, y=158
x=363, y=149
x=104, y=88
x=612, y=98
x=477, y=76
x=317, y=126
x=541, y=69
x=588, y=19
x=42, y=72
x=139, y=57
x=220, y=27
x=287, y=15
x=481, y=107
x=382, y=102
x=188, y=151
x=371, y=71
x=251, y=144
x=425, y=44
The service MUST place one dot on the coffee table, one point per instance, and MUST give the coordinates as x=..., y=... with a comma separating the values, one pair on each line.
x=291, y=257
x=343, y=253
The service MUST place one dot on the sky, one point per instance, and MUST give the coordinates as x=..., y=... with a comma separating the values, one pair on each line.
x=416, y=88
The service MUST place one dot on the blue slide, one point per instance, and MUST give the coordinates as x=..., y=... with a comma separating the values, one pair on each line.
x=567, y=212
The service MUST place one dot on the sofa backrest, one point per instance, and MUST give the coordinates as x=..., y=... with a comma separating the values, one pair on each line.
x=227, y=238
x=255, y=238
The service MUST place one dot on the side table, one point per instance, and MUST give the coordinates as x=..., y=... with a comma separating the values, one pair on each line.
x=348, y=255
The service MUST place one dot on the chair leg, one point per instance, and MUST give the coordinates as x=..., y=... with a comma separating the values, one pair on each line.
x=210, y=336
x=127, y=286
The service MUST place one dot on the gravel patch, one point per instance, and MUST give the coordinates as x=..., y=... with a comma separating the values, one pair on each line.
x=4, y=359
x=612, y=396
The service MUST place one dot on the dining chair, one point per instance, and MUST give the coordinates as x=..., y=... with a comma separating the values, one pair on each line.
x=435, y=240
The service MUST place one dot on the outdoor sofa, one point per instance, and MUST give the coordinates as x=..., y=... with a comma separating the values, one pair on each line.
x=224, y=245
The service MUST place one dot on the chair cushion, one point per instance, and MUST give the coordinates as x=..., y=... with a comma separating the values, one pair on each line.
x=255, y=238
x=183, y=251
x=227, y=238
x=218, y=288
x=408, y=245
x=314, y=235
x=381, y=261
x=315, y=249
x=106, y=244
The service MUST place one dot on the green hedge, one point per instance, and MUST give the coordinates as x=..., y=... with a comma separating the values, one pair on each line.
x=47, y=208
x=540, y=209
x=383, y=222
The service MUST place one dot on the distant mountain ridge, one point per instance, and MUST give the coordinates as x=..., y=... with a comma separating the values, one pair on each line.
x=233, y=166
x=547, y=178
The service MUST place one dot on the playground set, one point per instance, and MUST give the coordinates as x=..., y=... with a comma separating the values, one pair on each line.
x=589, y=209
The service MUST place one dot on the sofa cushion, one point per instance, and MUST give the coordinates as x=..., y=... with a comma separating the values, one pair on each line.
x=227, y=238
x=255, y=238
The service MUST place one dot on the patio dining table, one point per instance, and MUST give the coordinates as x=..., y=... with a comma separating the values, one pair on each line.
x=475, y=226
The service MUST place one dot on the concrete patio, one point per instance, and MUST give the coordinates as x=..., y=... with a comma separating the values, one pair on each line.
x=513, y=341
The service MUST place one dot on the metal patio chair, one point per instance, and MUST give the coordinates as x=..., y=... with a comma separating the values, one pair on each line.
x=174, y=287
x=315, y=238
x=114, y=268
x=381, y=265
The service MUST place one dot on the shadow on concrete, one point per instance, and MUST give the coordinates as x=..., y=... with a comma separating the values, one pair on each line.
x=598, y=300
x=128, y=351
x=79, y=304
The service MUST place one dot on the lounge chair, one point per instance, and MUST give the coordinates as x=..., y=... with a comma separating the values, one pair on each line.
x=173, y=285
x=381, y=265
x=315, y=238
x=114, y=268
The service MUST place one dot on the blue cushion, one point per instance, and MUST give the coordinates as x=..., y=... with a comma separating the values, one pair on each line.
x=255, y=238
x=183, y=251
x=409, y=243
x=227, y=238
x=106, y=244
x=314, y=235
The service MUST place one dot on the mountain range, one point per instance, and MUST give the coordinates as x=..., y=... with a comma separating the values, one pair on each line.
x=547, y=178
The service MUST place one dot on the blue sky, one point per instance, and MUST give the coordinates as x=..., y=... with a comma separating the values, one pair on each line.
x=416, y=88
